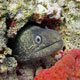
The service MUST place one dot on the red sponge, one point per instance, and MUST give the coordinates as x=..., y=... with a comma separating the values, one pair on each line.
x=68, y=68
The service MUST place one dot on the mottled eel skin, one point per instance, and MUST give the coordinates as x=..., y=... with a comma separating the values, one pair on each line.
x=35, y=42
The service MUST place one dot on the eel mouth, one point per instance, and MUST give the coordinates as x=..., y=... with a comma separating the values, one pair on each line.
x=48, y=45
x=47, y=50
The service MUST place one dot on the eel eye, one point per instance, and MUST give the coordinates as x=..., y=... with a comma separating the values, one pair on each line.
x=38, y=39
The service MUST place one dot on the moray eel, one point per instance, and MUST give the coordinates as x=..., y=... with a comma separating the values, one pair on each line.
x=35, y=43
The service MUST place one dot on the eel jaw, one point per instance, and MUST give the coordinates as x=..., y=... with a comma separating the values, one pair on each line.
x=46, y=51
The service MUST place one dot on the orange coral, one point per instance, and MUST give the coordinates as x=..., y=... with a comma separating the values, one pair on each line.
x=68, y=68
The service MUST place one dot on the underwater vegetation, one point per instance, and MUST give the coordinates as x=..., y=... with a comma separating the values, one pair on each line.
x=67, y=68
